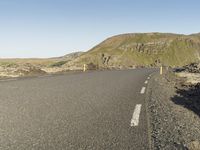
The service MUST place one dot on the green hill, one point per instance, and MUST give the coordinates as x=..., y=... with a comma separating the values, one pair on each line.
x=143, y=49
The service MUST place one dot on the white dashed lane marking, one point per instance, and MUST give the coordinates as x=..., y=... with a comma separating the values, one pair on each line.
x=136, y=115
x=143, y=90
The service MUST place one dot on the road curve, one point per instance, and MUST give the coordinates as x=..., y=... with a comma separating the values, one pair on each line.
x=85, y=111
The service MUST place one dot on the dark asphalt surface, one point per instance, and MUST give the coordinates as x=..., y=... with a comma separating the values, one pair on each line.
x=82, y=111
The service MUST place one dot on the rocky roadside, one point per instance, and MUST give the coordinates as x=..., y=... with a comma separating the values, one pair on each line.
x=174, y=110
x=27, y=69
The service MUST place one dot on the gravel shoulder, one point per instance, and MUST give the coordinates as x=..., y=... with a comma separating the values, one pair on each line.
x=174, y=111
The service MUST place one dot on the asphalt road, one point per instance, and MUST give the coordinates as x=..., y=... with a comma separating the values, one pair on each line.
x=80, y=111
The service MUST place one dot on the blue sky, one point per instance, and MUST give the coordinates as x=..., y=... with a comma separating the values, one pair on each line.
x=45, y=28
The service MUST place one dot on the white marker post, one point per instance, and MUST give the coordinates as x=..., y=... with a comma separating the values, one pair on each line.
x=84, y=67
x=161, y=70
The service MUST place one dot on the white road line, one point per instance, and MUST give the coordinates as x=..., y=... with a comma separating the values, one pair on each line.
x=146, y=82
x=136, y=115
x=143, y=90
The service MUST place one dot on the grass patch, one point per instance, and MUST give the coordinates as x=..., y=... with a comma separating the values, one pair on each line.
x=8, y=64
x=58, y=64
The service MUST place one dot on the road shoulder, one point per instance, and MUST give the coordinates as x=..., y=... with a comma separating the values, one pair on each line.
x=172, y=126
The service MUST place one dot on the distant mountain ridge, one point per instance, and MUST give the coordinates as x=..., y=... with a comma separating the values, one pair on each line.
x=69, y=56
x=142, y=49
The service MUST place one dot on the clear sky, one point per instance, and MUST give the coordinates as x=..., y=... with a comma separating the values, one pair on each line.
x=45, y=28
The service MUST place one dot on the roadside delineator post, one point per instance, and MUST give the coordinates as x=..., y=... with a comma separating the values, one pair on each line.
x=84, y=67
x=161, y=70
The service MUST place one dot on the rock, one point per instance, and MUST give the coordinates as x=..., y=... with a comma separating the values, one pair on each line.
x=105, y=58
x=191, y=68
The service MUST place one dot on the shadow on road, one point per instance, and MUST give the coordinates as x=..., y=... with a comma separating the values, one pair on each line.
x=189, y=97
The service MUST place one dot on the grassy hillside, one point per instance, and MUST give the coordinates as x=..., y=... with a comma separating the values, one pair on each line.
x=145, y=49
